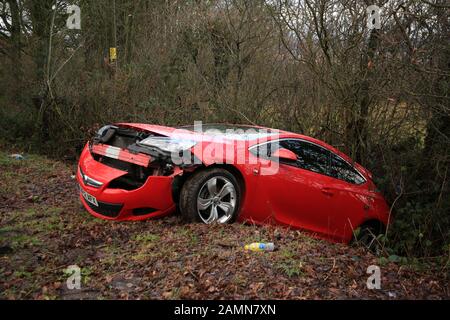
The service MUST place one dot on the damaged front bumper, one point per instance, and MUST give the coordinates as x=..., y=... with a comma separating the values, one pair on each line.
x=106, y=194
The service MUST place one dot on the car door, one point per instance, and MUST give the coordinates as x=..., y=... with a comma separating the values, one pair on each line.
x=350, y=199
x=298, y=195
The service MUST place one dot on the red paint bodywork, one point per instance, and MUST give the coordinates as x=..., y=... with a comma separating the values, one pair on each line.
x=325, y=206
x=125, y=155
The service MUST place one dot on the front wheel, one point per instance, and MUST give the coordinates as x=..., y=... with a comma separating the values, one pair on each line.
x=211, y=195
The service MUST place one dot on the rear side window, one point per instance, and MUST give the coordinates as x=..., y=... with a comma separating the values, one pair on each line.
x=342, y=170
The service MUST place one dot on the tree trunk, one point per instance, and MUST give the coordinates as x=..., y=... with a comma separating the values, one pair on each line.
x=41, y=13
x=16, y=61
x=357, y=127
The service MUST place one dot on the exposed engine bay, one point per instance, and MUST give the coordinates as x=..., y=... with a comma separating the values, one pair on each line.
x=141, y=154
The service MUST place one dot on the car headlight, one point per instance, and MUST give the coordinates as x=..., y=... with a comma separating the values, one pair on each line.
x=103, y=130
x=168, y=144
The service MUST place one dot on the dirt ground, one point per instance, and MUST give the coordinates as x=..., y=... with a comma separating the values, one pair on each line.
x=43, y=230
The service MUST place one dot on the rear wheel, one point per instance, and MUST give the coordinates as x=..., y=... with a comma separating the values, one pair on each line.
x=211, y=195
x=369, y=236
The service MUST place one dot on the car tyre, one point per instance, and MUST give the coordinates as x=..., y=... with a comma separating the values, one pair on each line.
x=369, y=237
x=210, y=195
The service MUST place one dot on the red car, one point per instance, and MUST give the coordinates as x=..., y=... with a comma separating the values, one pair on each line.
x=223, y=173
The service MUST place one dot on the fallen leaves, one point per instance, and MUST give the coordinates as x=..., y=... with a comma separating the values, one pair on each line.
x=167, y=259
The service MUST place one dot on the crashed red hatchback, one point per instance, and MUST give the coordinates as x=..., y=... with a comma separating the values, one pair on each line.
x=219, y=173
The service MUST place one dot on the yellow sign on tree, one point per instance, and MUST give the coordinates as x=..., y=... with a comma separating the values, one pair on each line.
x=112, y=54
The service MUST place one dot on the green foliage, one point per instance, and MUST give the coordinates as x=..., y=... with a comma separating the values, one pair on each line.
x=420, y=227
x=289, y=262
x=291, y=269
x=147, y=237
x=415, y=186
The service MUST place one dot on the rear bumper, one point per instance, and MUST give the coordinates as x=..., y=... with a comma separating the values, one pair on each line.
x=153, y=199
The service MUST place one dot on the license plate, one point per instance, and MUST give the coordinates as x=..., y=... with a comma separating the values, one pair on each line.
x=89, y=198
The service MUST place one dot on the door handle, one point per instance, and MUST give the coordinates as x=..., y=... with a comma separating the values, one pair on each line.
x=327, y=191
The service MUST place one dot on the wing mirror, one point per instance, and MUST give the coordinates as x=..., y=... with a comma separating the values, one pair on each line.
x=284, y=154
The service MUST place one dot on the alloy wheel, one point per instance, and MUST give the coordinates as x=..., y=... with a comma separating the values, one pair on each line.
x=216, y=201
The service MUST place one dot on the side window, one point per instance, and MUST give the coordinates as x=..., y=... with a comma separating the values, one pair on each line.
x=309, y=156
x=342, y=170
x=264, y=150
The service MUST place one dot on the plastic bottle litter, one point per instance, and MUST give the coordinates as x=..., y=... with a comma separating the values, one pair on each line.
x=260, y=246
x=17, y=156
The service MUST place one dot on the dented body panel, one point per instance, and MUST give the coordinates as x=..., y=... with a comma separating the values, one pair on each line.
x=155, y=193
